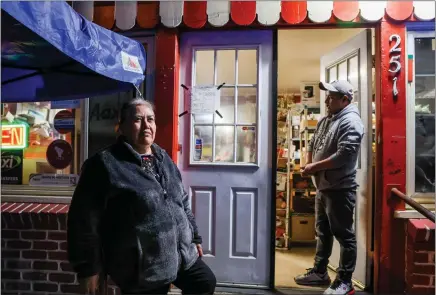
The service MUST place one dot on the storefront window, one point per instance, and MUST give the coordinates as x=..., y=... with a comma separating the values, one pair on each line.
x=103, y=118
x=44, y=144
x=229, y=135
x=41, y=143
x=421, y=102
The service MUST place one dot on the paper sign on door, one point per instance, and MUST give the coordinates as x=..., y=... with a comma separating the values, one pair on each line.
x=204, y=99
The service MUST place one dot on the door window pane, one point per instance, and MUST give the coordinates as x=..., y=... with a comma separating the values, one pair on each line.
x=353, y=72
x=246, y=148
x=247, y=66
x=342, y=71
x=332, y=74
x=202, y=151
x=224, y=145
x=39, y=138
x=238, y=97
x=202, y=118
x=204, y=67
x=247, y=111
x=226, y=66
x=227, y=106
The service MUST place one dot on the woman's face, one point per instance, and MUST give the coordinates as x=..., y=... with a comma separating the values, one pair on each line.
x=140, y=126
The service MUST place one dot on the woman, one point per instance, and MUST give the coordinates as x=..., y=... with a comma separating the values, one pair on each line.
x=130, y=216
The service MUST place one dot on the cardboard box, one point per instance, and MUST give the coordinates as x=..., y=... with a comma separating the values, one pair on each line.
x=308, y=124
x=303, y=227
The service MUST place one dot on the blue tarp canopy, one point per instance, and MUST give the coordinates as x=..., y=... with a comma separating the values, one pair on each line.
x=50, y=52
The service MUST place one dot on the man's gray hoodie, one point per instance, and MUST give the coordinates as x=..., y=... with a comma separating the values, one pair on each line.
x=338, y=137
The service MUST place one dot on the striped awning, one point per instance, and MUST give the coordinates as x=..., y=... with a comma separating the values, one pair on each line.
x=196, y=14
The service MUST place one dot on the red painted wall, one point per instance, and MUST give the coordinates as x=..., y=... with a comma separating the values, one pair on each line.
x=391, y=164
x=167, y=90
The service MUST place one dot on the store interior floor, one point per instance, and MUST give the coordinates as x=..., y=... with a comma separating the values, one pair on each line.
x=293, y=262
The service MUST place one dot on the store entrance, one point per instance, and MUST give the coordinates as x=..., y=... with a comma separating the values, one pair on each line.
x=304, y=58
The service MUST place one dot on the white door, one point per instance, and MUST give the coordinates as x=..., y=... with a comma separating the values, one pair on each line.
x=352, y=61
x=225, y=159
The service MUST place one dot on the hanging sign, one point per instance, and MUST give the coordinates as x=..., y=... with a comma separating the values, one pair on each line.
x=65, y=104
x=204, y=99
x=59, y=154
x=14, y=137
x=395, y=61
x=53, y=179
x=12, y=167
x=64, y=122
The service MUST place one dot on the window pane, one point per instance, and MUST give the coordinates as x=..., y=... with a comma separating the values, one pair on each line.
x=202, y=147
x=353, y=72
x=425, y=134
x=247, y=97
x=227, y=106
x=202, y=118
x=425, y=56
x=103, y=118
x=332, y=74
x=38, y=138
x=204, y=67
x=342, y=71
x=247, y=66
x=224, y=144
x=226, y=66
x=246, y=148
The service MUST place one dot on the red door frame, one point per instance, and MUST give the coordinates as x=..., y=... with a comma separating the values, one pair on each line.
x=167, y=90
x=389, y=235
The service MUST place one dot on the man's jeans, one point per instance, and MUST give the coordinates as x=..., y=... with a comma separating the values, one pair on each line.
x=334, y=213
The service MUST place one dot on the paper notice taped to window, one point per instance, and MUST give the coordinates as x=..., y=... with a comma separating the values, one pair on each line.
x=204, y=99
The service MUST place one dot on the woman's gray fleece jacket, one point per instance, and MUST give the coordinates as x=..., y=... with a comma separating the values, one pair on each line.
x=124, y=222
x=339, y=138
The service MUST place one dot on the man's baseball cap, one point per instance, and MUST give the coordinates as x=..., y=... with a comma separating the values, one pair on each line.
x=338, y=86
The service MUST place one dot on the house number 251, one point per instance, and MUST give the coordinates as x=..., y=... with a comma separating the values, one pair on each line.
x=395, y=62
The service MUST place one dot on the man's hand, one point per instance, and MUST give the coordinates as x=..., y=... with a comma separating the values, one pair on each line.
x=199, y=249
x=89, y=284
x=309, y=169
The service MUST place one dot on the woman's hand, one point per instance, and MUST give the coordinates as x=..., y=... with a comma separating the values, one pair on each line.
x=89, y=284
x=199, y=249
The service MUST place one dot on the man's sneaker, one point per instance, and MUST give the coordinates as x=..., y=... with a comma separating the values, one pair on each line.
x=313, y=278
x=340, y=288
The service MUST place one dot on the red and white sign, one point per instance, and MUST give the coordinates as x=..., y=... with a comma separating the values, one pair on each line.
x=64, y=122
x=59, y=154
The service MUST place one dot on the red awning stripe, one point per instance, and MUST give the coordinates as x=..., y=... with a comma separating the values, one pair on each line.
x=294, y=12
x=196, y=14
x=346, y=10
x=20, y=207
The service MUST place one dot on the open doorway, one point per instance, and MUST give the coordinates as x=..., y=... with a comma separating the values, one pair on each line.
x=304, y=58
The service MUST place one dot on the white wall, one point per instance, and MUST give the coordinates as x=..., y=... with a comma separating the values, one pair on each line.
x=300, y=51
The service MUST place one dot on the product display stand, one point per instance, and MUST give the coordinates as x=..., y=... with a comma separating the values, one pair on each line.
x=287, y=157
x=302, y=220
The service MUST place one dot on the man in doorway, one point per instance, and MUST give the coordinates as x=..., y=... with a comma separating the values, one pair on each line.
x=331, y=160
